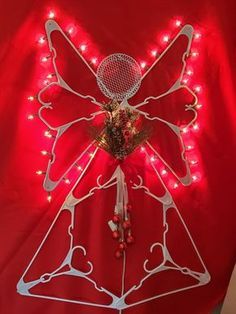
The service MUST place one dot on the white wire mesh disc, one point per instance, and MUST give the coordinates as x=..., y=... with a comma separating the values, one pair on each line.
x=119, y=76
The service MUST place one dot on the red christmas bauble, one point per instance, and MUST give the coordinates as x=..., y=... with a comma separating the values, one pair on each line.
x=126, y=224
x=116, y=219
x=122, y=246
x=118, y=253
x=130, y=239
x=115, y=234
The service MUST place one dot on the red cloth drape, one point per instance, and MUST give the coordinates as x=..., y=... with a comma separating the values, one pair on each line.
x=208, y=208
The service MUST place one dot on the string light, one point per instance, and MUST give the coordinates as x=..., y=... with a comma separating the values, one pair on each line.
x=194, y=54
x=51, y=14
x=83, y=47
x=185, y=130
x=45, y=59
x=42, y=40
x=163, y=172
x=51, y=75
x=31, y=98
x=197, y=35
x=49, y=198
x=154, y=53
x=142, y=148
x=178, y=23
x=31, y=116
x=40, y=172
x=94, y=61
x=166, y=39
x=193, y=162
x=48, y=134
x=189, y=147
x=197, y=89
x=175, y=185
x=80, y=168
x=189, y=72
x=195, y=127
x=153, y=158
x=143, y=64
x=66, y=180
x=185, y=81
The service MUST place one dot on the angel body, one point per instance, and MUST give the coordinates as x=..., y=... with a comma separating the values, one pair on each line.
x=126, y=180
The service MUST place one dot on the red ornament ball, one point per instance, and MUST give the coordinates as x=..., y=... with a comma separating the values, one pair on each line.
x=130, y=239
x=116, y=219
x=126, y=224
x=122, y=246
x=115, y=234
x=118, y=253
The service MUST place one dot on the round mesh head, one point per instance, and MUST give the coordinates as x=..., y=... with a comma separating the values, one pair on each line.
x=119, y=76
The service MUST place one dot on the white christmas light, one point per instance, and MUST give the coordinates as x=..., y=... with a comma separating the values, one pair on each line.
x=83, y=47
x=198, y=89
x=31, y=98
x=94, y=60
x=39, y=172
x=166, y=38
x=51, y=14
x=143, y=64
x=178, y=23
x=163, y=172
x=42, y=40
x=49, y=198
x=154, y=53
x=30, y=117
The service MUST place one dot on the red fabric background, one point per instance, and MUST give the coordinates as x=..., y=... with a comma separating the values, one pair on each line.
x=208, y=208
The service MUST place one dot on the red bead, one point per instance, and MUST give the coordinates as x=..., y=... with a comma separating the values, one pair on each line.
x=115, y=234
x=118, y=253
x=130, y=239
x=116, y=219
x=122, y=246
x=126, y=224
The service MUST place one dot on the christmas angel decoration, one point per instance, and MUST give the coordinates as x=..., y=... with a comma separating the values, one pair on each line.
x=122, y=149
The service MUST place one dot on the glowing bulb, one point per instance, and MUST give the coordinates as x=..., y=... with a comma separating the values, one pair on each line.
x=42, y=40
x=143, y=64
x=94, y=60
x=39, y=172
x=194, y=54
x=163, y=172
x=80, y=168
x=44, y=152
x=51, y=14
x=153, y=158
x=142, y=148
x=154, y=53
x=185, y=81
x=30, y=117
x=91, y=154
x=178, y=23
x=31, y=98
x=199, y=106
x=47, y=134
x=45, y=59
x=189, y=72
x=189, y=147
x=185, y=130
x=175, y=185
x=70, y=30
x=49, y=198
x=197, y=89
x=166, y=38
x=197, y=35
x=50, y=75
x=196, y=127
x=83, y=47
x=193, y=162
x=67, y=181
x=46, y=82
x=195, y=178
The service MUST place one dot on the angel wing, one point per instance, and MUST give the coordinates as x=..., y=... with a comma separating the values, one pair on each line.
x=67, y=105
x=171, y=107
